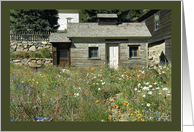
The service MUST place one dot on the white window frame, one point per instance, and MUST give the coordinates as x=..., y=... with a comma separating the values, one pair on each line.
x=157, y=20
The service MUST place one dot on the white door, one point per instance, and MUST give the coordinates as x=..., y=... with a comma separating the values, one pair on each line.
x=113, y=55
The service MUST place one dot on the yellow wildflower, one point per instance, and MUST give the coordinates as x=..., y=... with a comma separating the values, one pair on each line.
x=134, y=119
x=111, y=100
x=37, y=82
x=115, y=106
x=126, y=103
x=97, y=101
x=139, y=115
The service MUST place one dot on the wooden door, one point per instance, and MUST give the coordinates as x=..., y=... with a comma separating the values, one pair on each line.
x=64, y=56
x=113, y=55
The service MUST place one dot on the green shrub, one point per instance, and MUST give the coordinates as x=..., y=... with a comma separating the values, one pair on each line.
x=21, y=54
x=35, y=55
x=46, y=53
x=12, y=55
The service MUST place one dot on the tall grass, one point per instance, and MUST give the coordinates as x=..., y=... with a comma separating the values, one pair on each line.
x=88, y=94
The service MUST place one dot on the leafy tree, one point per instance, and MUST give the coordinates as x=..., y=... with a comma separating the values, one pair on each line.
x=34, y=20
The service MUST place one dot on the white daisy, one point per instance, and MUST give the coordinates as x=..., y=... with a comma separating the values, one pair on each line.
x=165, y=89
x=150, y=92
x=148, y=104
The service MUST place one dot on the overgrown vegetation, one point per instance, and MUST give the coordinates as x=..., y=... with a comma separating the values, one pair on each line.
x=90, y=94
x=46, y=53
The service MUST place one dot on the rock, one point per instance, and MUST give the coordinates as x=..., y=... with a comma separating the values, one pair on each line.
x=44, y=42
x=13, y=43
x=18, y=64
x=25, y=49
x=39, y=62
x=34, y=61
x=25, y=46
x=150, y=58
x=19, y=49
x=30, y=43
x=24, y=61
x=31, y=64
x=47, y=62
x=24, y=42
x=16, y=61
x=40, y=48
x=33, y=48
x=11, y=50
x=13, y=47
x=48, y=47
x=48, y=59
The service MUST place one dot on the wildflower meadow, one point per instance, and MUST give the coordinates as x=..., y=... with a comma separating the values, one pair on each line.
x=85, y=94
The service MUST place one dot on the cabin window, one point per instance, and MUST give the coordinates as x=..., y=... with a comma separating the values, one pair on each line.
x=133, y=51
x=156, y=17
x=93, y=52
x=63, y=54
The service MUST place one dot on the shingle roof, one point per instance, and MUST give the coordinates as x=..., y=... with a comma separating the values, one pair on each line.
x=59, y=37
x=95, y=30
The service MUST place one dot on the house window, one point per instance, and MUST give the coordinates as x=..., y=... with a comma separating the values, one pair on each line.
x=93, y=52
x=133, y=51
x=63, y=54
x=69, y=20
x=156, y=17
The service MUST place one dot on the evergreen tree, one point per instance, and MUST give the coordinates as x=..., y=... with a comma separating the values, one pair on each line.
x=135, y=14
x=33, y=20
x=89, y=15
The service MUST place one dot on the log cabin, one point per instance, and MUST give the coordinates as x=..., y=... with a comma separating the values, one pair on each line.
x=103, y=42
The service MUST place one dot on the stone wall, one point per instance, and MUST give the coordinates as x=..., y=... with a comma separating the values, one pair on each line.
x=32, y=61
x=29, y=46
x=154, y=52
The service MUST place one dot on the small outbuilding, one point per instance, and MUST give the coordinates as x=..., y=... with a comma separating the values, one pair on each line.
x=104, y=42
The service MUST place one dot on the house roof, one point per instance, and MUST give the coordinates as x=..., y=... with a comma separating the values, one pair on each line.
x=59, y=37
x=107, y=16
x=95, y=30
x=146, y=15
